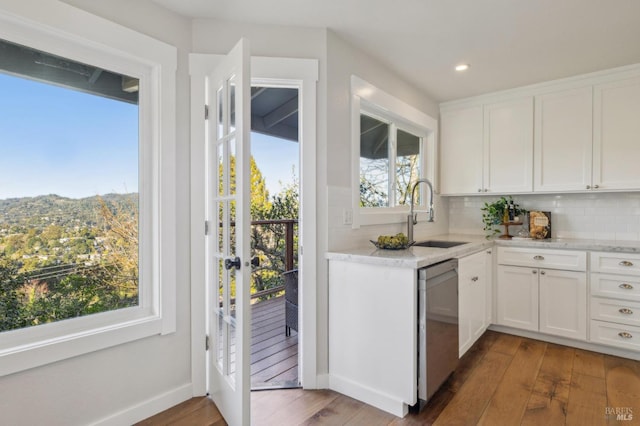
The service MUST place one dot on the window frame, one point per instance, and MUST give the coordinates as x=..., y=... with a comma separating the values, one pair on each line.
x=98, y=42
x=370, y=100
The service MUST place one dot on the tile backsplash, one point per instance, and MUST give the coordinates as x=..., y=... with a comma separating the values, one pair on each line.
x=599, y=216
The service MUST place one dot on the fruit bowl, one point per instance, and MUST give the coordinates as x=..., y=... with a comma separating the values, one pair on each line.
x=392, y=242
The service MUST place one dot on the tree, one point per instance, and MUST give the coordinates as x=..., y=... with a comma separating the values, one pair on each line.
x=120, y=246
x=269, y=242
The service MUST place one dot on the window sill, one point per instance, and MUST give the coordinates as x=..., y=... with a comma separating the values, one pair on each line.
x=30, y=355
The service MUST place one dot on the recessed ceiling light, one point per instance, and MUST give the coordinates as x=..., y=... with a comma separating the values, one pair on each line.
x=462, y=67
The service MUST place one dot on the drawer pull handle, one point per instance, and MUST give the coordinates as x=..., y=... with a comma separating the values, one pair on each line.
x=625, y=311
x=543, y=273
x=534, y=272
x=626, y=286
x=625, y=263
x=538, y=257
x=474, y=279
x=625, y=335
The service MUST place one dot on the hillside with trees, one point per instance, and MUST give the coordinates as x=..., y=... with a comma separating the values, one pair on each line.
x=63, y=258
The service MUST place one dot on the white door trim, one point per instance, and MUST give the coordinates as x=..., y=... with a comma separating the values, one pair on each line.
x=302, y=73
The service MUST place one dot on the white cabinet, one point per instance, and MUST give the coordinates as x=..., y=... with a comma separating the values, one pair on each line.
x=517, y=297
x=508, y=141
x=581, y=134
x=615, y=299
x=461, y=150
x=563, y=140
x=487, y=148
x=474, y=298
x=616, y=128
x=544, y=298
x=563, y=303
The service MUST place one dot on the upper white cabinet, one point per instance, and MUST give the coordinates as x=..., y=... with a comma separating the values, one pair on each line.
x=487, y=148
x=461, y=150
x=508, y=140
x=563, y=141
x=578, y=134
x=616, y=148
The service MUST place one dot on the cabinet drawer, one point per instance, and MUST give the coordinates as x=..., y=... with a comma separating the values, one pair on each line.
x=615, y=263
x=622, y=336
x=617, y=311
x=538, y=258
x=617, y=286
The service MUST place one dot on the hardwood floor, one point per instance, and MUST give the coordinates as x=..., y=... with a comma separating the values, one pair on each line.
x=501, y=380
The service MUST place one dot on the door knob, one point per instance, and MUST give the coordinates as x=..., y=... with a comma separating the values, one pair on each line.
x=231, y=263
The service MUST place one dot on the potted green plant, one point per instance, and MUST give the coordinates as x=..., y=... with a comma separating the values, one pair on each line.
x=493, y=214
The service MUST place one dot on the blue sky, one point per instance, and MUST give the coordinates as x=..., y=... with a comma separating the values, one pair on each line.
x=64, y=142
x=60, y=141
x=275, y=159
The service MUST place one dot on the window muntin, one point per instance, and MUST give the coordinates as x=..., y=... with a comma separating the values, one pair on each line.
x=384, y=143
x=68, y=189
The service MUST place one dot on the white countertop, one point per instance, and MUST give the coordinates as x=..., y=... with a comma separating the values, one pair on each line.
x=419, y=257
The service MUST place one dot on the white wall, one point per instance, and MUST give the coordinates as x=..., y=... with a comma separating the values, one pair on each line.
x=107, y=383
x=598, y=216
x=343, y=61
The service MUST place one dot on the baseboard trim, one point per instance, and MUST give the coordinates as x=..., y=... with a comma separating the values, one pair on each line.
x=148, y=408
x=594, y=347
x=322, y=382
x=368, y=395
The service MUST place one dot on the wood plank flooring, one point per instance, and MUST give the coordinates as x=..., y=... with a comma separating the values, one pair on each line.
x=501, y=380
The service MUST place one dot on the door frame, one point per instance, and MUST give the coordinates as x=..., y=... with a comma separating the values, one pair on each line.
x=293, y=72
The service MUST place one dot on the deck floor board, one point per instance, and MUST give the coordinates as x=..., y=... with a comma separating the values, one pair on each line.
x=274, y=356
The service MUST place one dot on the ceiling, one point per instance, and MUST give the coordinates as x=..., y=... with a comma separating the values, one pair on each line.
x=509, y=43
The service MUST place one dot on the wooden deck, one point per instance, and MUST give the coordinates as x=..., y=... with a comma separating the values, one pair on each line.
x=274, y=356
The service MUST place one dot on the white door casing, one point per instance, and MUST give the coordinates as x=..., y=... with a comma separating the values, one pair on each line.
x=290, y=72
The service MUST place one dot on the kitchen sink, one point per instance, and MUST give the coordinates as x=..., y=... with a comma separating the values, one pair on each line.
x=438, y=243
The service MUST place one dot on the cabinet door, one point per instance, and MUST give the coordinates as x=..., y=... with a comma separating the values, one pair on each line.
x=563, y=303
x=488, y=268
x=517, y=297
x=563, y=141
x=461, y=150
x=616, y=127
x=508, y=145
x=471, y=300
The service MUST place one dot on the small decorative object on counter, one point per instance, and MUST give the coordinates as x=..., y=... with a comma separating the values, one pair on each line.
x=497, y=213
x=392, y=242
x=539, y=225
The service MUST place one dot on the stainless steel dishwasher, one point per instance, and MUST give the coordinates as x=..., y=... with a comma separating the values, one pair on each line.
x=437, y=326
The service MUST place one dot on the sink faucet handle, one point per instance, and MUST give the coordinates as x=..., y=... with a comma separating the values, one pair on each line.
x=415, y=218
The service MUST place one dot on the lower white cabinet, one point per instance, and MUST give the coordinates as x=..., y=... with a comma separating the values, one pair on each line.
x=615, y=299
x=474, y=298
x=563, y=303
x=517, y=297
x=541, y=299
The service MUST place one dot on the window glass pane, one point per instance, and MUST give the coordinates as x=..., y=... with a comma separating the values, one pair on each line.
x=407, y=166
x=68, y=188
x=374, y=162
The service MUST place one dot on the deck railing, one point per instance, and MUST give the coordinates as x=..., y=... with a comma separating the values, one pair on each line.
x=275, y=243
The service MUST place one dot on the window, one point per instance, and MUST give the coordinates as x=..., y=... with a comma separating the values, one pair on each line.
x=69, y=189
x=383, y=144
x=86, y=246
x=393, y=146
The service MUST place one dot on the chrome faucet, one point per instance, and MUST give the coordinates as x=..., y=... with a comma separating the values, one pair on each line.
x=412, y=219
